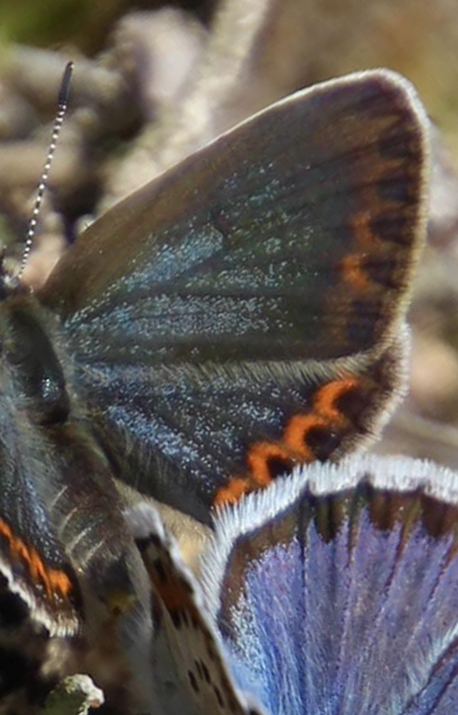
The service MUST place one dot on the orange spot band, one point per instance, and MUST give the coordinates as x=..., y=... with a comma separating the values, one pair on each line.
x=52, y=579
x=292, y=447
x=296, y=431
x=361, y=230
x=328, y=395
x=258, y=458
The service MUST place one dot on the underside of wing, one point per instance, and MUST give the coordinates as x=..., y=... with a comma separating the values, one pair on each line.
x=189, y=672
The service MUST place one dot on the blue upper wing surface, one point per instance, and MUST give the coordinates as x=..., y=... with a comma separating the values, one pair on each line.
x=337, y=592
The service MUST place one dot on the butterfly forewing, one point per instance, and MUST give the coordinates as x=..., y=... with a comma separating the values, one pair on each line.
x=280, y=231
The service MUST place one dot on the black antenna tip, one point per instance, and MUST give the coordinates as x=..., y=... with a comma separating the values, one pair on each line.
x=65, y=85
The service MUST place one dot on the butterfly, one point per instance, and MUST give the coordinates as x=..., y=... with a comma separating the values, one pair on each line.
x=239, y=316
x=335, y=590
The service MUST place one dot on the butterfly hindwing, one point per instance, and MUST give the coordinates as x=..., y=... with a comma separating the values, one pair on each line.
x=261, y=421
x=336, y=590
x=188, y=668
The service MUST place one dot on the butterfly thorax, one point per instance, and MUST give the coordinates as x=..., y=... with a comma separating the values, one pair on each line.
x=29, y=354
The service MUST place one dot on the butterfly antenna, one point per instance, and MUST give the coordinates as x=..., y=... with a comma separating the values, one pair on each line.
x=42, y=186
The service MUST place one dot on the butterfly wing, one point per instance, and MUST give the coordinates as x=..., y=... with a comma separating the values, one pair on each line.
x=206, y=308
x=227, y=432
x=299, y=227
x=337, y=590
x=32, y=559
x=189, y=674
x=53, y=479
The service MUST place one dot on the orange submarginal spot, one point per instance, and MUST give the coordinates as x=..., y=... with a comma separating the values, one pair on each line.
x=293, y=447
x=327, y=396
x=171, y=592
x=258, y=458
x=354, y=273
x=364, y=236
x=296, y=432
x=54, y=580
x=233, y=491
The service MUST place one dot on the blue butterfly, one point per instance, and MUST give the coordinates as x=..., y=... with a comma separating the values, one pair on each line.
x=334, y=591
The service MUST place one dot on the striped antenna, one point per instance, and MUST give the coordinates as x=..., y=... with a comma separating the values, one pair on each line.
x=42, y=186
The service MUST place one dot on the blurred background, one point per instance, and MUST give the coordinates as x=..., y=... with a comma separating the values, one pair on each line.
x=154, y=81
